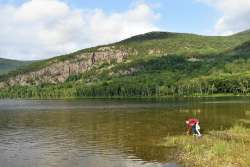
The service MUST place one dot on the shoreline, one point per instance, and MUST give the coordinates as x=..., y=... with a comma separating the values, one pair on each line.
x=135, y=97
x=227, y=148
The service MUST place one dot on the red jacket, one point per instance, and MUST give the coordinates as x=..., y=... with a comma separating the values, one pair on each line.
x=192, y=121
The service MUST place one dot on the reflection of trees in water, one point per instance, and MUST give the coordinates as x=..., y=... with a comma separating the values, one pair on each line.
x=135, y=132
x=217, y=116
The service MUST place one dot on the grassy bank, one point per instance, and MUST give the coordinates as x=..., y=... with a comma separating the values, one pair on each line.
x=229, y=148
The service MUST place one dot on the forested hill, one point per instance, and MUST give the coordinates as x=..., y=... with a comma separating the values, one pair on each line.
x=155, y=64
x=7, y=65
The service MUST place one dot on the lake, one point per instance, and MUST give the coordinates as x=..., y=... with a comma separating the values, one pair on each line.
x=106, y=133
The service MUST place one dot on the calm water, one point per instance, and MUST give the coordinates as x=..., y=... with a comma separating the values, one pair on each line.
x=105, y=133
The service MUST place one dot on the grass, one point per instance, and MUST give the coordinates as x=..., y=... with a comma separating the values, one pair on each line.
x=229, y=148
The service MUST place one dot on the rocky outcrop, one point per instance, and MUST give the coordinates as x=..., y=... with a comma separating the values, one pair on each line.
x=155, y=51
x=59, y=71
x=129, y=71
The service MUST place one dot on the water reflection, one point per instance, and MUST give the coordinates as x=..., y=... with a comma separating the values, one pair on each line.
x=104, y=133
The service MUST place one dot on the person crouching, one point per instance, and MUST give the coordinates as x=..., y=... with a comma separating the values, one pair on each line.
x=193, y=126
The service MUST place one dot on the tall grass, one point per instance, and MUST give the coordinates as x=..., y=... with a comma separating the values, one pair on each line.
x=214, y=149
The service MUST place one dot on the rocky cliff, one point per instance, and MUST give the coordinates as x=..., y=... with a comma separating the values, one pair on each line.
x=59, y=71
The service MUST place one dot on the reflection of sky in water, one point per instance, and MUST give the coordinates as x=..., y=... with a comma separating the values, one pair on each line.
x=104, y=133
x=29, y=147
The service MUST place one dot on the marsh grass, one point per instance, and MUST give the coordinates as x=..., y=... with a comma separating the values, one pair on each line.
x=248, y=113
x=229, y=148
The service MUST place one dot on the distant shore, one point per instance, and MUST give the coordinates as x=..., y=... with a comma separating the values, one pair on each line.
x=221, y=95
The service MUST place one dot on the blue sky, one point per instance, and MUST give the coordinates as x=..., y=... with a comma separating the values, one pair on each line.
x=38, y=29
x=176, y=15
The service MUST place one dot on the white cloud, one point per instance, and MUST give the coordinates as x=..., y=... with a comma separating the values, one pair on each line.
x=235, y=15
x=40, y=29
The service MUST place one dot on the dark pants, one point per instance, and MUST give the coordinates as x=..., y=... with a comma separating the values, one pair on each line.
x=194, y=130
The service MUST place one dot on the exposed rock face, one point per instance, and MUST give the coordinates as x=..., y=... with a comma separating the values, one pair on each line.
x=59, y=71
x=130, y=71
x=2, y=85
x=155, y=51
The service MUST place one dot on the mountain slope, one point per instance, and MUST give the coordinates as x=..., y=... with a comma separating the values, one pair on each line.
x=7, y=65
x=156, y=63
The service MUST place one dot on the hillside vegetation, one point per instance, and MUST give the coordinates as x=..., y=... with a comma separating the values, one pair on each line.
x=7, y=65
x=155, y=64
